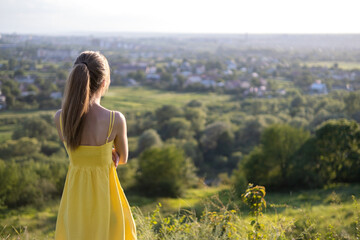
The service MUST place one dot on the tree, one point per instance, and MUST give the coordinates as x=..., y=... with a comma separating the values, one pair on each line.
x=19, y=73
x=196, y=116
x=212, y=133
x=148, y=139
x=166, y=112
x=166, y=78
x=249, y=136
x=180, y=80
x=214, y=65
x=176, y=128
x=338, y=144
x=35, y=127
x=279, y=143
x=352, y=103
x=255, y=167
x=162, y=171
x=269, y=163
x=10, y=88
x=194, y=103
x=190, y=147
x=297, y=101
x=62, y=75
x=23, y=147
x=12, y=63
x=305, y=166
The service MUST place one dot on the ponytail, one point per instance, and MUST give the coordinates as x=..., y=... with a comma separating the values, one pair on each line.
x=76, y=104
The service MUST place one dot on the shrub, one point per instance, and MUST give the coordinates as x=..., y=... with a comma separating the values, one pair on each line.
x=162, y=171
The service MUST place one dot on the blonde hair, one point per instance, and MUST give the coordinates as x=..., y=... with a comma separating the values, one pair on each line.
x=89, y=72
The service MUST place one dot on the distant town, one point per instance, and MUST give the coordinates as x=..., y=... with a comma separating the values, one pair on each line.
x=33, y=69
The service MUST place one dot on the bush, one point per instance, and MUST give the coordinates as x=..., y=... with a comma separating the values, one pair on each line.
x=162, y=171
x=148, y=139
x=49, y=148
x=35, y=127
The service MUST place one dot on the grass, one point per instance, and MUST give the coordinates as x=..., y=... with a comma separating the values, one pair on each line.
x=329, y=64
x=6, y=132
x=24, y=113
x=135, y=99
x=40, y=223
x=144, y=98
x=316, y=212
x=282, y=83
x=192, y=199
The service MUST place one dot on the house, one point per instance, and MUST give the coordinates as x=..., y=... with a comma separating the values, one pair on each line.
x=125, y=69
x=262, y=88
x=318, y=87
x=27, y=93
x=192, y=79
x=263, y=82
x=347, y=87
x=150, y=70
x=186, y=73
x=270, y=70
x=2, y=101
x=200, y=69
x=232, y=84
x=281, y=91
x=153, y=76
x=172, y=64
x=59, y=54
x=243, y=69
x=185, y=66
x=129, y=82
x=253, y=89
x=231, y=65
x=227, y=72
x=237, y=84
x=353, y=76
x=220, y=84
x=255, y=75
x=27, y=79
x=208, y=83
x=245, y=84
x=56, y=95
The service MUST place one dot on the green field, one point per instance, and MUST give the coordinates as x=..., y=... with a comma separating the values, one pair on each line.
x=329, y=64
x=136, y=99
x=10, y=114
x=6, y=132
x=144, y=98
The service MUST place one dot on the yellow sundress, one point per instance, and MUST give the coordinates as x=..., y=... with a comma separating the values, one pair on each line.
x=93, y=205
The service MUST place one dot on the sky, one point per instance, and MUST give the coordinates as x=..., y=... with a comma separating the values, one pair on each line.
x=174, y=16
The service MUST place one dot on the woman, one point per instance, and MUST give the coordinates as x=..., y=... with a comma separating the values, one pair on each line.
x=93, y=205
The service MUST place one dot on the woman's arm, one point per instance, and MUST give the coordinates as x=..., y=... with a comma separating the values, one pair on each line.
x=121, y=140
x=57, y=123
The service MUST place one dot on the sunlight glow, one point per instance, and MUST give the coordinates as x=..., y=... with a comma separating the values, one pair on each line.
x=186, y=16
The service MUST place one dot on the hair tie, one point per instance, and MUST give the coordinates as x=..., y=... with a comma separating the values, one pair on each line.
x=85, y=64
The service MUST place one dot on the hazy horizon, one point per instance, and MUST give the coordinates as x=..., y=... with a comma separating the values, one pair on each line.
x=55, y=17
x=168, y=34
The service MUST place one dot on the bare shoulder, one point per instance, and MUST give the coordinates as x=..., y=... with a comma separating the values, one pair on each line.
x=120, y=121
x=119, y=115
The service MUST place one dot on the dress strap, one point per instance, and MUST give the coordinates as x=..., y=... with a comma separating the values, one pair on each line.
x=111, y=125
x=61, y=127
